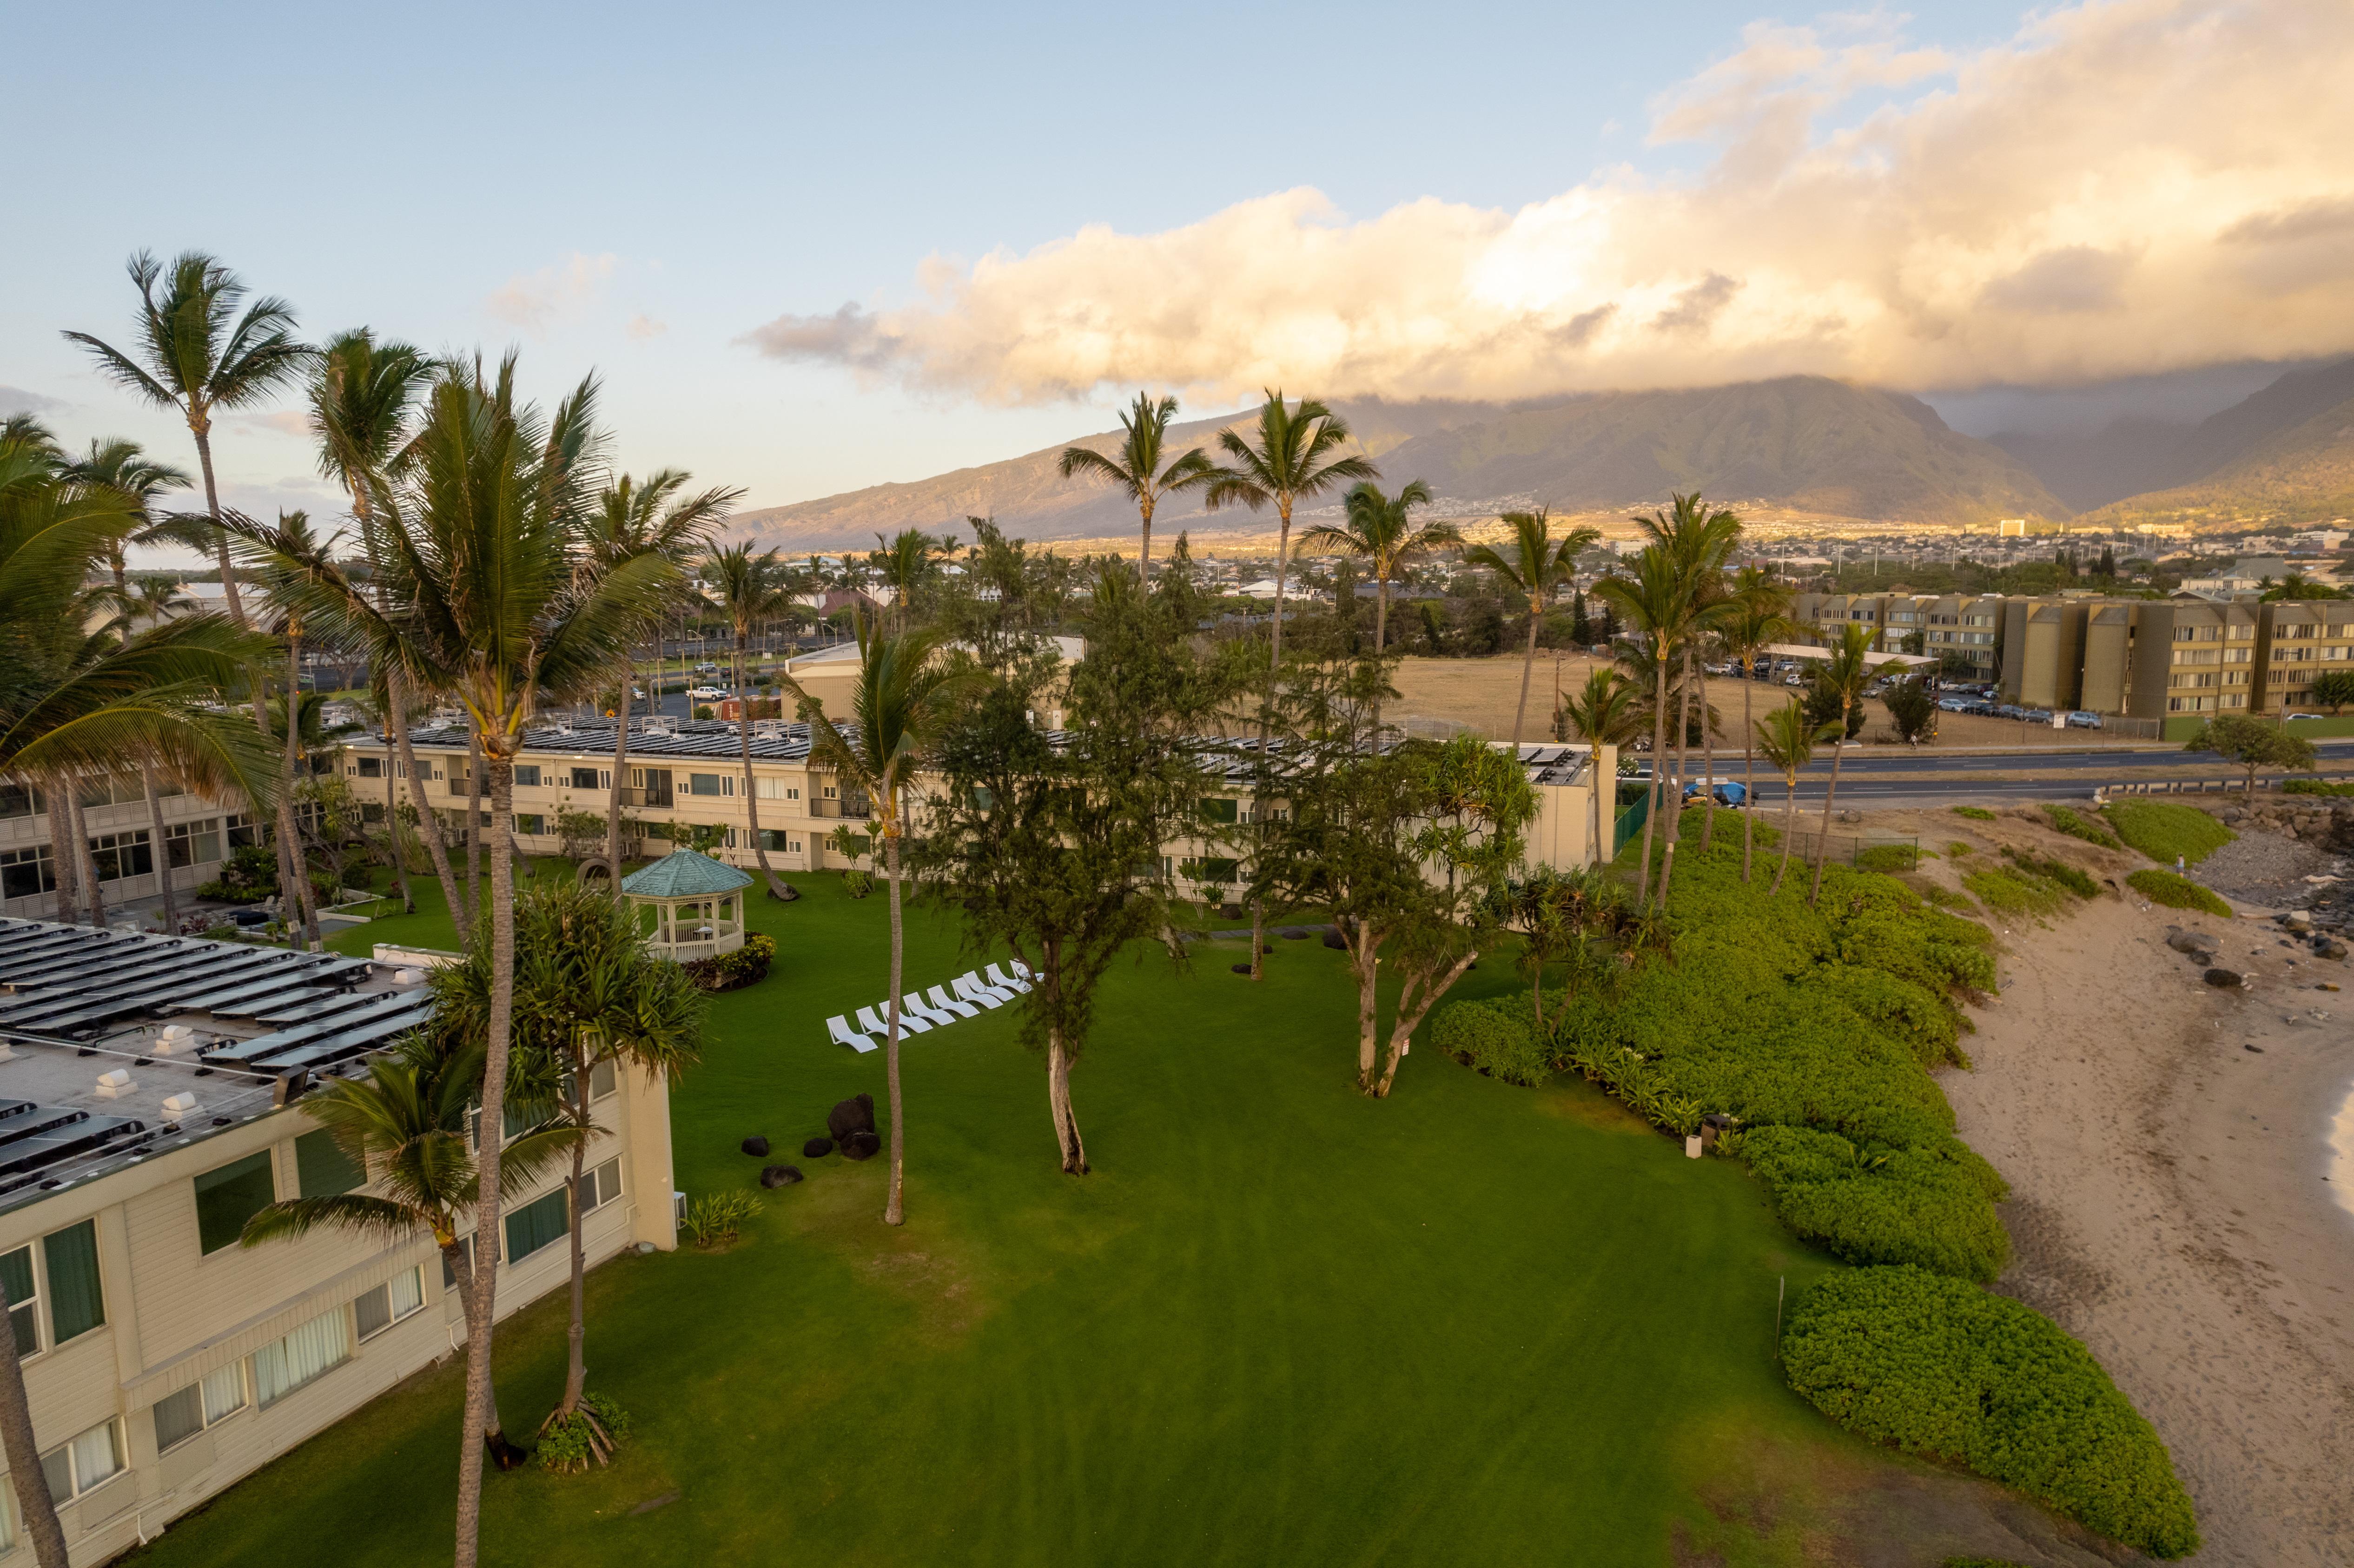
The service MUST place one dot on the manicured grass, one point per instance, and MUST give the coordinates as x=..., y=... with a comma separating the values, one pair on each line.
x=2176, y=892
x=1280, y=1323
x=2163, y=829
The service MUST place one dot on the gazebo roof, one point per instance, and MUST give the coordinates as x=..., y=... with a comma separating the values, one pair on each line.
x=684, y=873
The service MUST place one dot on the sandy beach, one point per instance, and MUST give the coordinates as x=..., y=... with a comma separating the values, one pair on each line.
x=2178, y=1204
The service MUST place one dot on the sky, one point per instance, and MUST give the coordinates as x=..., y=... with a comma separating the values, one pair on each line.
x=810, y=249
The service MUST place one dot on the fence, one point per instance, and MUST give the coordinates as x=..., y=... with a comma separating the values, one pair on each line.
x=1630, y=822
x=2107, y=792
x=1866, y=851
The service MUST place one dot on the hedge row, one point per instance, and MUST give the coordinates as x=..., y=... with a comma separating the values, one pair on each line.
x=1938, y=1367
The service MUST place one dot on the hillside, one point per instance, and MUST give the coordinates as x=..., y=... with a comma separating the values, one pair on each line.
x=1802, y=442
x=2302, y=474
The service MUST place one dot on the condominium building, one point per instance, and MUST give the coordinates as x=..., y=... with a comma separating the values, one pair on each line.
x=2298, y=640
x=2193, y=657
x=133, y=855
x=150, y=1101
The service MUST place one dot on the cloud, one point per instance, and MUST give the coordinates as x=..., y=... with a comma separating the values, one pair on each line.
x=643, y=327
x=16, y=401
x=535, y=301
x=284, y=422
x=2123, y=188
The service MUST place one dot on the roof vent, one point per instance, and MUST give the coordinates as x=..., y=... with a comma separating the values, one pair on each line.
x=114, y=1085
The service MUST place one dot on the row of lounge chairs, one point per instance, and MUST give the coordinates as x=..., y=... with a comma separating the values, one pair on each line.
x=921, y=1013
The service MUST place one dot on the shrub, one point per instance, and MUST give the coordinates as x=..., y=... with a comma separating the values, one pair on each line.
x=250, y=874
x=1981, y=1562
x=2077, y=827
x=576, y=1441
x=1911, y=1012
x=1945, y=898
x=1957, y=849
x=717, y=1218
x=2075, y=879
x=1888, y=857
x=1938, y=1367
x=734, y=971
x=2014, y=891
x=1975, y=814
x=2313, y=786
x=857, y=883
x=2176, y=892
x=2164, y=830
x=1494, y=1035
x=703, y=710
x=1931, y=1205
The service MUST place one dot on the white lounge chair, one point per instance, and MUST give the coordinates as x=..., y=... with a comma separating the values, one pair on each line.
x=1019, y=967
x=999, y=978
x=968, y=986
x=873, y=1023
x=943, y=1002
x=844, y=1034
x=913, y=1002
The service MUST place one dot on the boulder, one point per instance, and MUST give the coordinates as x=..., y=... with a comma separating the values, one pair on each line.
x=2330, y=946
x=779, y=1175
x=851, y=1115
x=1240, y=968
x=757, y=1147
x=2223, y=979
x=2296, y=920
x=2193, y=942
x=862, y=1145
x=1292, y=933
x=1334, y=940
x=817, y=1148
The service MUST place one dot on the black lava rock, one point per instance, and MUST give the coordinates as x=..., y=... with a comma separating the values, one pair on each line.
x=1292, y=933
x=757, y=1147
x=779, y=1175
x=817, y=1148
x=862, y=1145
x=1334, y=940
x=2223, y=979
x=851, y=1115
x=1240, y=968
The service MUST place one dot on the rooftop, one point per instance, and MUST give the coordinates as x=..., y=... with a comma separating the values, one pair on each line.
x=684, y=873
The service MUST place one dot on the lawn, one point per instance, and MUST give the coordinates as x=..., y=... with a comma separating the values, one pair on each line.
x=1280, y=1323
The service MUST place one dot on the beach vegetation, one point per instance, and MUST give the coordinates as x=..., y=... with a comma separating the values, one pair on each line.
x=2077, y=826
x=2176, y=892
x=1975, y=814
x=1493, y=1036
x=2016, y=890
x=2249, y=743
x=2167, y=830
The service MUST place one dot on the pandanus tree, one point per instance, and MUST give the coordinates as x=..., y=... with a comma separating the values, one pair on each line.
x=482, y=602
x=901, y=700
x=750, y=588
x=1846, y=672
x=1603, y=712
x=1787, y=738
x=1382, y=529
x=1758, y=614
x=656, y=518
x=1535, y=565
x=1135, y=468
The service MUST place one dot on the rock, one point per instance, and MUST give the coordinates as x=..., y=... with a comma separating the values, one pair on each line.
x=817, y=1148
x=862, y=1145
x=2257, y=1049
x=2330, y=946
x=1334, y=940
x=1292, y=933
x=1240, y=968
x=2191, y=942
x=851, y=1115
x=2297, y=920
x=2222, y=979
x=779, y=1175
x=757, y=1147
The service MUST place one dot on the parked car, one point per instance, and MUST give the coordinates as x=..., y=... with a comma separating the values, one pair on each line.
x=2080, y=719
x=707, y=695
x=706, y=668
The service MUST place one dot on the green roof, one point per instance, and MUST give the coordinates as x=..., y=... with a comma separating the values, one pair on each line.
x=683, y=873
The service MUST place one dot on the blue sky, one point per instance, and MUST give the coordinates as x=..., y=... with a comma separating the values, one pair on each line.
x=633, y=188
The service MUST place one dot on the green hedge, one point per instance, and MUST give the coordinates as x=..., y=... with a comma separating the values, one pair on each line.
x=1496, y=1035
x=1938, y=1367
x=733, y=971
x=1931, y=1205
x=2164, y=830
x=2176, y=892
x=2314, y=787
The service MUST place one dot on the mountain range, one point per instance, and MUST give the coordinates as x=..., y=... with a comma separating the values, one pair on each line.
x=1804, y=444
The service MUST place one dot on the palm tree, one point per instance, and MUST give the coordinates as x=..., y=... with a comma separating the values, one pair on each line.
x=362, y=395
x=123, y=467
x=190, y=356
x=294, y=539
x=1651, y=597
x=752, y=588
x=652, y=519
x=1136, y=468
x=1539, y=564
x=1758, y=614
x=1602, y=713
x=481, y=602
x=901, y=701
x=905, y=564
x=1380, y=528
x=1296, y=458
x=1846, y=671
x=1787, y=739
x=1699, y=541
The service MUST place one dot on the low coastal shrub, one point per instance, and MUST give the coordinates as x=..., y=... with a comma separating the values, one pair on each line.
x=1981, y=1562
x=2176, y=892
x=1945, y=898
x=1888, y=857
x=2315, y=787
x=2015, y=892
x=2078, y=827
x=733, y=971
x=2075, y=879
x=1495, y=1035
x=2164, y=830
x=1975, y=814
x=1931, y=1205
x=574, y=1442
x=1937, y=1367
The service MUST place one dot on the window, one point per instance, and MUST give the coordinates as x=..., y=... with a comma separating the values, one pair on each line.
x=322, y=1167
x=602, y=1079
x=119, y=855
x=389, y=1303
x=244, y=831
x=228, y=1196
x=709, y=784
x=192, y=843
x=77, y=1304
x=317, y=1347
x=530, y=822
x=182, y=1416
x=26, y=872
x=1215, y=811
x=535, y=1225
x=600, y=1186
x=371, y=768
x=20, y=801
x=585, y=778
x=775, y=839
x=24, y=1303
x=85, y=1464
x=526, y=775
x=768, y=788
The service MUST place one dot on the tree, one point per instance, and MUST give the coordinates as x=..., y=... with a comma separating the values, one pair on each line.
x=1651, y=595
x=655, y=520
x=1536, y=567
x=1134, y=468
x=1913, y=709
x=1787, y=736
x=2334, y=689
x=902, y=700
x=750, y=588
x=1382, y=529
x=123, y=467
x=1559, y=913
x=294, y=539
x=1296, y=457
x=1758, y=615
x=189, y=356
x=1846, y=672
x=2253, y=743
x=906, y=563
x=1699, y=541
x=1602, y=713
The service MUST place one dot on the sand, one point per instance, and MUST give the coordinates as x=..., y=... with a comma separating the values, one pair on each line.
x=2169, y=1206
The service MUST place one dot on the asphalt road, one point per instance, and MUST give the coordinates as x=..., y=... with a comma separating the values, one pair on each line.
x=1875, y=777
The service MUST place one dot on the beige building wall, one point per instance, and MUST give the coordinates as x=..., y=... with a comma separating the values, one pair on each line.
x=2296, y=642
x=2107, y=657
x=196, y=831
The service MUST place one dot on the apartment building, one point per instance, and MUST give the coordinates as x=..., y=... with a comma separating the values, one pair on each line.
x=2194, y=658
x=1964, y=626
x=130, y=855
x=150, y=1101
x=2298, y=640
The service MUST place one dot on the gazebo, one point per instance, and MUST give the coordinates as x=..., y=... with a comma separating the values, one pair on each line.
x=693, y=906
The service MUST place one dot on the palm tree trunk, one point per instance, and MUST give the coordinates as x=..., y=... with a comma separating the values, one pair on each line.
x=22, y=1452
x=63, y=867
x=1823, y=839
x=428, y=825
x=1789, y=809
x=287, y=824
x=162, y=848
x=200, y=425
x=752, y=801
x=1381, y=637
x=1273, y=668
x=392, y=835
x=895, y=1208
x=473, y=823
x=1143, y=561
x=1658, y=781
x=1528, y=663
x=1707, y=766
x=620, y=773
x=480, y=1420
x=1748, y=771
x=85, y=862
x=576, y=1336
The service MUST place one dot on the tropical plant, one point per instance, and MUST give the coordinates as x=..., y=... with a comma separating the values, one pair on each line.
x=2334, y=689
x=1912, y=710
x=1847, y=670
x=1699, y=541
x=1787, y=738
x=1650, y=595
x=123, y=467
x=750, y=588
x=907, y=562
x=1757, y=614
x=1535, y=565
x=901, y=700
x=1603, y=712
x=717, y=1219
x=2252, y=743
x=1382, y=529
x=1134, y=467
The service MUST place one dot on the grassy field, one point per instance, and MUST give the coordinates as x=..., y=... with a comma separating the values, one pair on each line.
x=1281, y=1323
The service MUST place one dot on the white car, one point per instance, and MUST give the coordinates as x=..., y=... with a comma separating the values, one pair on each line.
x=706, y=668
x=707, y=695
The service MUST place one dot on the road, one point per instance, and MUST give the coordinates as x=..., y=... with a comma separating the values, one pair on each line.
x=1875, y=776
